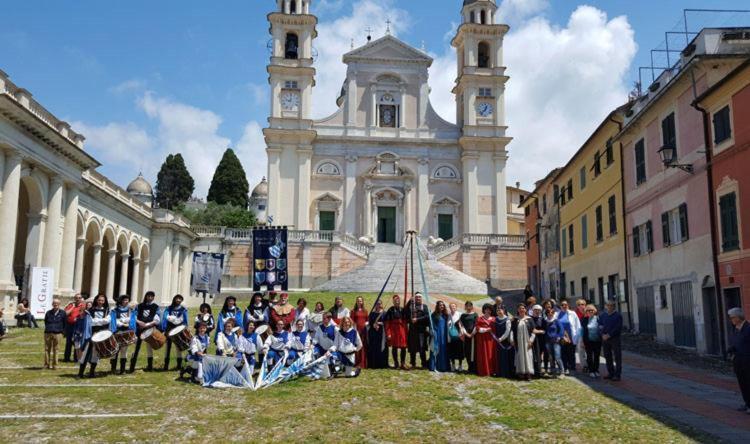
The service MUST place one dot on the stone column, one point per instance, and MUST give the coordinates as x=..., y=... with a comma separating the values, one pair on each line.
x=11, y=186
x=69, y=256
x=53, y=235
x=78, y=273
x=136, y=278
x=174, y=275
x=402, y=109
x=111, y=263
x=501, y=195
x=124, y=274
x=146, y=276
x=304, y=157
x=423, y=196
x=35, y=239
x=368, y=209
x=350, y=196
x=471, y=200
x=407, y=207
x=187, y=265
x=96, y=266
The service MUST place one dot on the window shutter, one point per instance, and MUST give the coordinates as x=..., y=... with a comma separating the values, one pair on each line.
x=564, y=243
x=649, y=236
x=665, y=229
x=685, y=230
x=636, y=242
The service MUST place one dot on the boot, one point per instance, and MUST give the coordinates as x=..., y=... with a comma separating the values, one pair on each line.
x=92, y=371
x=179, y=363
x=81, y=369
x=132, y=366
x=150, y=364
x=166, y=365
x=123, y=361
x=113, y=363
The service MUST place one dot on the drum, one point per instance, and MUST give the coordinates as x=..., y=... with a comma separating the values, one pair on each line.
x=125, y=338
x=105, y=344
x=181, y=337
x=154, y=338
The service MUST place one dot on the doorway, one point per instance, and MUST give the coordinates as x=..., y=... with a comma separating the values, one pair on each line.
x=387, y=225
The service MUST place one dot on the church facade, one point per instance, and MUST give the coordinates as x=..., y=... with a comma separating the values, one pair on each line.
x=385, y=162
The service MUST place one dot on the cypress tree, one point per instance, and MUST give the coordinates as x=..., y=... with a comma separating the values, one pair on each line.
x=174, y=184
x=229, y=184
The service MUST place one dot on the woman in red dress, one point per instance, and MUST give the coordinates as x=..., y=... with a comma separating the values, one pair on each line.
x=395, y=331
x=360, y=317
x=486, y=353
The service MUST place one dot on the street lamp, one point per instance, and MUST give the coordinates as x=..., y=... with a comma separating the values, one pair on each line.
x=668, y=155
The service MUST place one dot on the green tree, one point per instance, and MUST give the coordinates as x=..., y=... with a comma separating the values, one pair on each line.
x=223, y=215
x=174, y=184
x=229, y=184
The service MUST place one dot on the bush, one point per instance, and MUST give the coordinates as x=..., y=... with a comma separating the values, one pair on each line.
x=226, y=215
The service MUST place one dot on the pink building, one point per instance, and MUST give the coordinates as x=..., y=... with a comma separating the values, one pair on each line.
x=668, y=204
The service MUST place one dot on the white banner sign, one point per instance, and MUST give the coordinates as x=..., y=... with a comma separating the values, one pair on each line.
x=207, y=270
x=40, y=292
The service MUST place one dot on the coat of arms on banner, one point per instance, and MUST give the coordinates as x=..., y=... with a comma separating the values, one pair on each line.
x=270, y=264
x=282, y=276
x=281, y=264
x=260, y=264
x=271, y=277
x=260, y=277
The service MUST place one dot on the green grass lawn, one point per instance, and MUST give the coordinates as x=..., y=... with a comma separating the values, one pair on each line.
x=379, y=406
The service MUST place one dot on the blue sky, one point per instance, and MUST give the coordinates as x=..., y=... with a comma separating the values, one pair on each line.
x=144, y=78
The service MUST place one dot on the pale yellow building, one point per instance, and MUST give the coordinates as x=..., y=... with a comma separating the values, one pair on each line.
x=592, y=232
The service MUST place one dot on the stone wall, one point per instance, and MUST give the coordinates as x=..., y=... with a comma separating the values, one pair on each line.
x=505, y=268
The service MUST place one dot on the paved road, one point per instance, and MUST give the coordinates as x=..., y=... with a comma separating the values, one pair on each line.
x=696, y=398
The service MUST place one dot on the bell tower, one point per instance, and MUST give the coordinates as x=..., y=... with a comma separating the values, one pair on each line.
x=289, y=136
x=480, y=112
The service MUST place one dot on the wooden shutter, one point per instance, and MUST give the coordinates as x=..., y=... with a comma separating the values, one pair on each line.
x=636, y=242
x=684, y=228
x=649, y=236
x=665, y=229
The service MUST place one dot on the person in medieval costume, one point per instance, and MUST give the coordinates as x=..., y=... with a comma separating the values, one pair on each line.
x=377, y=350
x=345, y=348
x=397, y=328
x=198, y=350
x=122, y=320
x=505, y=351
x=486, y=352
x=283, y=311
x=147, y=317
x=439, y=360
x=97, y=319
x=338, y=311
x=360, y=317
x=229, y=310
x=277, y=344
x=523, y=334
x=300, y=340
x=466, y=323
x=250, y=343
x=418, y=316
x=257, y=311
x=172, y=317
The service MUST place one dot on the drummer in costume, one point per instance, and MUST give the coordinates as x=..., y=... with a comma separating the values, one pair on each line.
x=283, y=311
x=324, y=335
x=173, y=316
x=251, y=343
x=418, y=316
x=396, y=329
x=228, y=311
x=300, y=341
x=147, y=316
x=198, y=349
x=96, y=320
x=257, y=311
x=205, y=316
x=122, y=319
x=345, y=348
x=276, y=344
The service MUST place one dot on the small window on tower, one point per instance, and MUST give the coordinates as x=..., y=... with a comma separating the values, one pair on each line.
x=291, y=84
x=293, y=7
x=292, y=46
x=485, y=92
x=483, y=16
x=472, y=17
x=484, y=55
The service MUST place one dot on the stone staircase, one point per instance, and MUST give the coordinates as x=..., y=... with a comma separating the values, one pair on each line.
x=441, y=278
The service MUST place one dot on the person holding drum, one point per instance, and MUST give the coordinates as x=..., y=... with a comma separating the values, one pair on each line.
x=277, y=344
x=122, y=324
x=173, y=317
x=146, y=319
x=96, y=336
x=257, y=311
x=205, y=316
x=198, y=349
x=228, y=311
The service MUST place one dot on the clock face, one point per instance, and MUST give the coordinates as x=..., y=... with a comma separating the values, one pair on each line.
x=290, y=101
x=485, y=109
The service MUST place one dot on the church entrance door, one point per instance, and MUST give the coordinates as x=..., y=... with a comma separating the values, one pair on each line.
x=387, y=225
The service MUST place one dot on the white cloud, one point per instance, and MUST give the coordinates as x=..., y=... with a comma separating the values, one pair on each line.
x=563, y=82
x=119, y=143
x=334, y=40
x=131, y=85
x=513, y=11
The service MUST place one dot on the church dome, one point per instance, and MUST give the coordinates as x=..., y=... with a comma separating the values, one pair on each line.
x=260, y=190
x=140, y=186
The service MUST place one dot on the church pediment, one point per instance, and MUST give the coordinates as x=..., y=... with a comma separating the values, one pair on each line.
x=388, y=49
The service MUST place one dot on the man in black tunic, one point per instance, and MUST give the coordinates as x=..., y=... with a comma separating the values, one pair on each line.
x=418, y=316
x=147, y=317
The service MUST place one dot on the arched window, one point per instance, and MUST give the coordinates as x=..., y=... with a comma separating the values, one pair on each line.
x=483, y=17
x=293, y=7
x=484, y=55
x=292, y=46
x=472, y=17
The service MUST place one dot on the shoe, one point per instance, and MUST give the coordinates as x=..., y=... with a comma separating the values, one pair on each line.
x=567, y=372
x=616, y=379
x=592, y=375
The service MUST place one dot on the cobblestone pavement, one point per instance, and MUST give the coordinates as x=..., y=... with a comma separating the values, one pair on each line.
x=702, y=399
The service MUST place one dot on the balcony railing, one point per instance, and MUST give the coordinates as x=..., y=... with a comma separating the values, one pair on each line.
x=479, y=240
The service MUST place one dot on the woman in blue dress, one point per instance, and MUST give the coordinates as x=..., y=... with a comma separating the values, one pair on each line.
x=440, y=319
x=505, y=351
x=377, y=351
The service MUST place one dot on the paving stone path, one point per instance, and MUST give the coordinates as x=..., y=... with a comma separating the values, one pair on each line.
x=700, y=399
